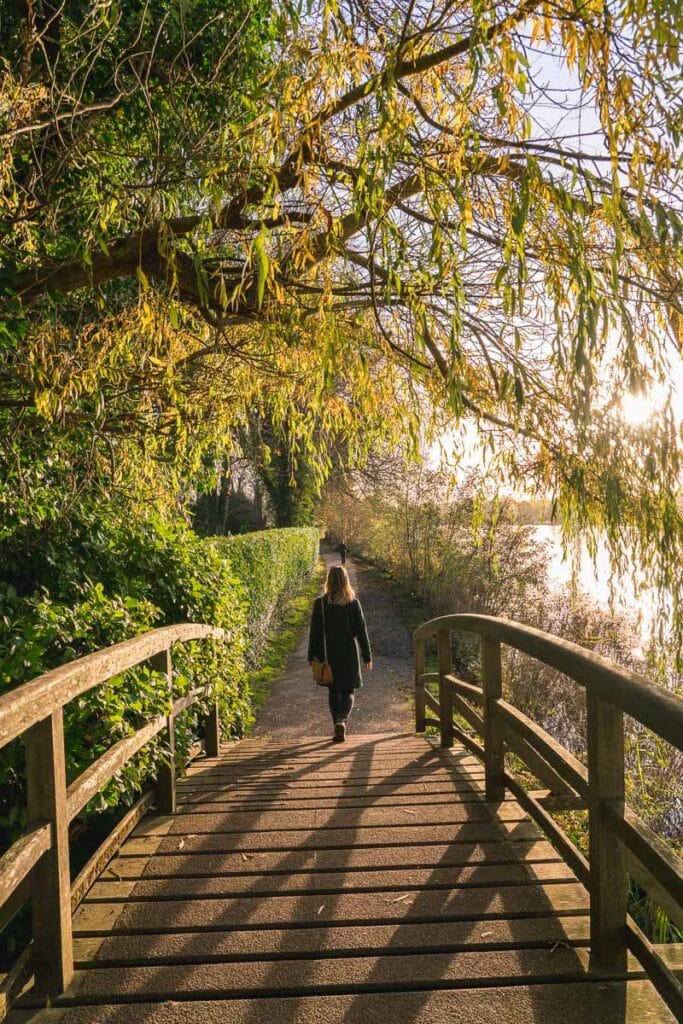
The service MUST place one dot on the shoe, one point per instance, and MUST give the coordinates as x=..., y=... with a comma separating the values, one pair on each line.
x=339, y=732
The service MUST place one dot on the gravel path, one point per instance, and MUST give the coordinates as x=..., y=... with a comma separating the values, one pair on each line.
x=296, y=707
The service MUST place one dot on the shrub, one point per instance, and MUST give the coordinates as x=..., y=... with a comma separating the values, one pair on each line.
x=269, y=563
x=119, y=578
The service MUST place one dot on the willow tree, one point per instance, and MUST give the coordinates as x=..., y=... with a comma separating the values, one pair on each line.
x=475, y=206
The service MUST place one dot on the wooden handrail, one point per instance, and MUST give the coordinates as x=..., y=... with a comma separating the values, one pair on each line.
x=34, y=710
x=652, y=705
x=31, y=702
x=618, y=841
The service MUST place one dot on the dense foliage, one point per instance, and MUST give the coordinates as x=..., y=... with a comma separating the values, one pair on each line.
x=337, y=222
x=270, y=565
x=117, y=579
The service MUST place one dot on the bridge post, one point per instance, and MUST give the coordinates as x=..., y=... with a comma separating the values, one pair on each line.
x=443, y=648
x=420, y=707
x=166, y=779
x=212, y=732
x=608, y=872
x=50, y=878
x=494, y=742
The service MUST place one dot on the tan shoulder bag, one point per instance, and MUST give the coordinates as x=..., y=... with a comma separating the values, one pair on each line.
x=322, y=673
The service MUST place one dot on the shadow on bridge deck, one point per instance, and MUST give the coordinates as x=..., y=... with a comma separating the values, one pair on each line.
x=353, y=884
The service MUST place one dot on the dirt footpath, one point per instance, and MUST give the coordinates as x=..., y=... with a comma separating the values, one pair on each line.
x=297, y=707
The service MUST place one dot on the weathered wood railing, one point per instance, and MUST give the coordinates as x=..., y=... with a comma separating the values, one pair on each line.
x=39, y=860
x=619, y=843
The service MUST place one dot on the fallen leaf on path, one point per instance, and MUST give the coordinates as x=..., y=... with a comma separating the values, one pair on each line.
x=485, y=935
x=320, y=908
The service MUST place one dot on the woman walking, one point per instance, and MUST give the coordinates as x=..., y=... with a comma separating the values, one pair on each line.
x=339, y=612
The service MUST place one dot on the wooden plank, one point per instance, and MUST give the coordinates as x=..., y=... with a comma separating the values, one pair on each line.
x=50, y=879
x=27, y=704
x=494, y=740
x=91, y=781
x=564, y=763
x=608, y=875
x=655, y=706
x=431, y=703
x=462, y=708
x=419, y=665
x=467, y=690
x=658, y=970
x=537, y=764
x=651, y=862
x=443, y=647
x=21, y=858
x=212, y=731
x=166, y=777
x=574, y=858
x=91, y=871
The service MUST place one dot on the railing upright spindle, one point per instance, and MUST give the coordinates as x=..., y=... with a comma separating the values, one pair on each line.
x=494, y=742
x=166, y=779
x=212, y=732
x=420, y=706
x=445, y=661
x=608, y=871
x=50, y=878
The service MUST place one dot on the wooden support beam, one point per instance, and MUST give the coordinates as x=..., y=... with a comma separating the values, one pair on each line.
x=494, y=741
x=443, y=647
x=50, y=879
x=608, y=873
x=212, y=732
x=419, y=662
x=166, y=779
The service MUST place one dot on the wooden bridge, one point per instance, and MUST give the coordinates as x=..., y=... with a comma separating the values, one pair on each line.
x=386, y=879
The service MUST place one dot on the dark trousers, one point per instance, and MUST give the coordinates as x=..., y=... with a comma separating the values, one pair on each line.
x=341, y=704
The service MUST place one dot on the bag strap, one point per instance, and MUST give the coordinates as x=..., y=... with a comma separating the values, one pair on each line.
x=322, y=607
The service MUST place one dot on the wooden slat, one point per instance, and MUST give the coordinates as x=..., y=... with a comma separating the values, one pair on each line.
x=431, y=703
x=28, y=704
x=462, y=708
x=659, y=973
x=467, y=690
x=90, y=871
x=21, y=857
x=652, y=863
x=562, y=843
x=538, y=765
x=567, y=766
x=87, y=785
x=654, y=706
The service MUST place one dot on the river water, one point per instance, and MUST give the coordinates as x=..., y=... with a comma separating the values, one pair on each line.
x=629, y=595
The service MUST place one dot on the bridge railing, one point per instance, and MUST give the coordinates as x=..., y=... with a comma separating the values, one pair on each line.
x=37, y=866
x=619, y=843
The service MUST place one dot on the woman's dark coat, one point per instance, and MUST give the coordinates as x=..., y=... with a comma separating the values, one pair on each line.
x=344, y=625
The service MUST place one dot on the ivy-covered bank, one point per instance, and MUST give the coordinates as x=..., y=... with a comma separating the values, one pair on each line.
x=121, y=579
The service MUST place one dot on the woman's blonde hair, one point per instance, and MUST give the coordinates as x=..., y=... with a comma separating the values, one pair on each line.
x=338, y=587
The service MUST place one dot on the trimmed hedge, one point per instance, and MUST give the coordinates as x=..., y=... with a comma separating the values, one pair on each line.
x=119, y=579
x=269, y=564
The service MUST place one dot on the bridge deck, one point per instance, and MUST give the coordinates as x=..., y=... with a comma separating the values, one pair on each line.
x=348, y=884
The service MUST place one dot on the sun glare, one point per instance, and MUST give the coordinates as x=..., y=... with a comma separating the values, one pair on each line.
x=636, y=410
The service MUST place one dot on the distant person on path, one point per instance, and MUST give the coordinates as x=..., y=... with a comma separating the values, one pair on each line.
x=342, y=549
x=345, y=631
